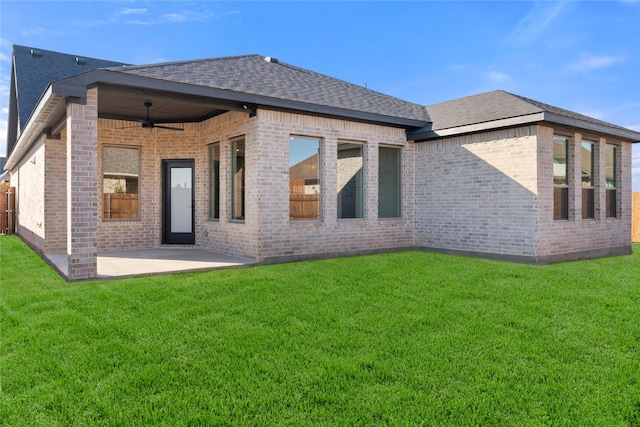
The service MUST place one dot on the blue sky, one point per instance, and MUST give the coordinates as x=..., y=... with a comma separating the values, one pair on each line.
x=579, y=55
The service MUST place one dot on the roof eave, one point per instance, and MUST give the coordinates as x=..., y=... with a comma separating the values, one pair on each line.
x=426, y=134
x=76, y=87
x=48, y=108
x=622, y=133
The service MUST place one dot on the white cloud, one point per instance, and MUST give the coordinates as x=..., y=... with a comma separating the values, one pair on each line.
x=498, y=77
x=131, y=11
x=41, y=31
x=180, y=17
x=173, y=17
x=594, y=62
x=534, y=24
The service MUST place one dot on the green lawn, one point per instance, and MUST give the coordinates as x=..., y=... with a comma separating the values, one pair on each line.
x=405, y=338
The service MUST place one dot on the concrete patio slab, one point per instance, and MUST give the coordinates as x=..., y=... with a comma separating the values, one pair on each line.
x=153, y=261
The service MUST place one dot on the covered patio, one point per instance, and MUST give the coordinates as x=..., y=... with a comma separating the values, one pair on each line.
x=138, y=262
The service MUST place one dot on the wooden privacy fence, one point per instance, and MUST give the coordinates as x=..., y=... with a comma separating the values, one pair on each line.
x=302, y=207
x=635, y=215
x=120, y=206
x=7, y=209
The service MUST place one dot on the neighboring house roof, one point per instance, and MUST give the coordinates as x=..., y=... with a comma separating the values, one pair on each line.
x=268, y=77
x=503, y=109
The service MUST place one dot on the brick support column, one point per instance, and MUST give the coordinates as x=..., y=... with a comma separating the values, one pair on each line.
x=82, y=187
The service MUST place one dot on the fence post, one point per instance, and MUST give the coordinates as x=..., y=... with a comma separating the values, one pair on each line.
x=9, y=212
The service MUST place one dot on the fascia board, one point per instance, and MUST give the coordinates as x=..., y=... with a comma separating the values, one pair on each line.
x=424, y=135
x=76, y=87
x=34, y=127
x=627, y=134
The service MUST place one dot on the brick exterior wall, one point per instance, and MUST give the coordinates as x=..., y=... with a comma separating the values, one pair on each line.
x=487, y=194
x=577, y=237
x=280, y=238
x=55, y=195
x=29, y=180
x=478, y=193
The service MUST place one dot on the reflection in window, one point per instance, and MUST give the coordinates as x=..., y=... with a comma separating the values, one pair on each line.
x=304, y=179
x=560, y=178
x=389, y=183
x=120, y=172
x=214, y=181
x=237, y=180
x=350, y=180
x=611, y=180
x=588, y=190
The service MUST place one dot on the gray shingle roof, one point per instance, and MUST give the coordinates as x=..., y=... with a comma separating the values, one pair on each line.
x=252, y=74
x=496, y=105
x=33, y=73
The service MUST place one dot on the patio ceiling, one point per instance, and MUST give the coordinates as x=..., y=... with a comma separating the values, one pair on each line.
x=128, y=103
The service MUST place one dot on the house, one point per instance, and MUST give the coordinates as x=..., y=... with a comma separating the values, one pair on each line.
x=252, y=157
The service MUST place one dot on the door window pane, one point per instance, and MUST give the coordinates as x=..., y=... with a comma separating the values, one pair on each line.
x=181, y=190
x=120, y=168
x=304, y=179
x=350, y=180
x=237, y=180
x=214, y=181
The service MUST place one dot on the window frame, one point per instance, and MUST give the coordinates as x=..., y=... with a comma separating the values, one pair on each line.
x=611, y=191
x=138, y=186
x=398, y=187
x=589, y=190
x=214, y=182
x=360, y=190
x=561, y=214
x=320, y=181
x=234, y=170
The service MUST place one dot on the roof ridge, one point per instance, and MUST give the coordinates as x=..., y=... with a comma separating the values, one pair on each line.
x=191, y=61
x=54, y=52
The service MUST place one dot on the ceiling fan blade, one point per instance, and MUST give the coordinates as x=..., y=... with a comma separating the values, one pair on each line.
x=166, y=127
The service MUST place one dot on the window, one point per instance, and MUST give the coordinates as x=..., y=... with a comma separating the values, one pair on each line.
x=120, y=166
x=304, y=179
x=350, y=180
x=389, y=182
x=237, y=179
x=214, y=181
x=588, y=190
x=560, y=178
x=611, y=180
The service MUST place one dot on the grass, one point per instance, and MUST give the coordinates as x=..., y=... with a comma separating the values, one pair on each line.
x=405, y=338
